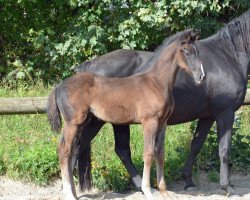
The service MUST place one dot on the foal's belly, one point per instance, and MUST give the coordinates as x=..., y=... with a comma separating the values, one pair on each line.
x=115, y=113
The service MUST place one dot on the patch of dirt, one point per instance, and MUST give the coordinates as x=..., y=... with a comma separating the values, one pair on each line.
x=10, y=189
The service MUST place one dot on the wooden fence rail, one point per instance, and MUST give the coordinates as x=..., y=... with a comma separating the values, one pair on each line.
x=37, y=105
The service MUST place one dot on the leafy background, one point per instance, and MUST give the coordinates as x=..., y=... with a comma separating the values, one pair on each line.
x=44, y=39
x=40, y=41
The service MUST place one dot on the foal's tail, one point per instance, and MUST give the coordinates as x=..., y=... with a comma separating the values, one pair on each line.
x=84, y=168
x=53, y=112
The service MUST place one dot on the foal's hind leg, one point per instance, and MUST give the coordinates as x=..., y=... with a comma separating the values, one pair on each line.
x=64, y=151
x=160, y=157
x=150, y=128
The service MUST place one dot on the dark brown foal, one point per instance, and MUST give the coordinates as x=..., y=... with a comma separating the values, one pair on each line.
x=140, y=99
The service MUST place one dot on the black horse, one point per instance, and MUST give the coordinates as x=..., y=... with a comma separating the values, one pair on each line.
x=226, y=60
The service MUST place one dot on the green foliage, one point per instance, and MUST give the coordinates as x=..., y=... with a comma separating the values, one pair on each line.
x=213, y=177
x=28, y=148
x=44, y=39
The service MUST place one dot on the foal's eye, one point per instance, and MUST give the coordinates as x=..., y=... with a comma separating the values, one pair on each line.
x=186, y=51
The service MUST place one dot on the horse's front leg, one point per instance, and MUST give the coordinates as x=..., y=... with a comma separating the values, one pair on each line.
x=150, y=128
x=64, y=151
x=160, y=158
x=224, y=126
x=122, y=149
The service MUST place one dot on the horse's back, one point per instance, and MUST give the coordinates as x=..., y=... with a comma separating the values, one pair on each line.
x=118, y=63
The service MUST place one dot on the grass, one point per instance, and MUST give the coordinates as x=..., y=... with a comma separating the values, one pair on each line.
x=28, y=148
x=109, y=171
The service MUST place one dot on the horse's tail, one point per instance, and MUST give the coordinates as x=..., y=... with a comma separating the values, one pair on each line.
x=84, y=169
x=83, y=67
x=53, y=112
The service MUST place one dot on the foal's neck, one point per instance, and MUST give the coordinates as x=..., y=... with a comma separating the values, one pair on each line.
x=165, y=68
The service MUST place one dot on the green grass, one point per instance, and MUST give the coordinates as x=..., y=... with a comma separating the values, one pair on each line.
x=28, y=149
x=213, y=176
x=108, y=171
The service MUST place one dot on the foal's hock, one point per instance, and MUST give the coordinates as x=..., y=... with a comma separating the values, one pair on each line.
x=145, y=98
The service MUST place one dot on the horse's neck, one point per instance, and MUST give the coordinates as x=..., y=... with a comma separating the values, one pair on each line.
x=165, y=69
x=242, y=53
x=231, y=46
x=239, y=43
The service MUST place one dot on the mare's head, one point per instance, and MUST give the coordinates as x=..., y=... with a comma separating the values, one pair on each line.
x=187, y=56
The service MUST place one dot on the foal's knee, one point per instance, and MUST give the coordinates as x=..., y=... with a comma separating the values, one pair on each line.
x=148, y=157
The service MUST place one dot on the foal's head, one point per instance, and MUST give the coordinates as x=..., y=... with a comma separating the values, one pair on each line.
x=187, y=57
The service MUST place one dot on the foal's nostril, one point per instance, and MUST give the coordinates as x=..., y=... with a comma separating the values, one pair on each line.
x=201, y=77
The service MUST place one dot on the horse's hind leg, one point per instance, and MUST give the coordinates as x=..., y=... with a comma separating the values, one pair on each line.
x=201, y=133
x=160, y=158
x=150, y=128
x=122, y=149
x=64, y=151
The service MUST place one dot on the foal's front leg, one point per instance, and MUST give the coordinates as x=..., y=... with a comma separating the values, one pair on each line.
x=65, y=151
x=160, y=158
x=150, y=128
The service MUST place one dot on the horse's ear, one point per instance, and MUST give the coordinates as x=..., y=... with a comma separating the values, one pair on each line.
x=194, y=35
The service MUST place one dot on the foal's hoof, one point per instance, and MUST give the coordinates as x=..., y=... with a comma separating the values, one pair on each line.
x=148, y=193
x=69, y=198
x=164, y=194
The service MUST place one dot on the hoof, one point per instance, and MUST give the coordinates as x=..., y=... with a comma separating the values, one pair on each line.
x=137, y=181
x=148, y=193
x=69, y=198
x=227, y=190
x=230, y=191
x=191, y=188
x=165, y=194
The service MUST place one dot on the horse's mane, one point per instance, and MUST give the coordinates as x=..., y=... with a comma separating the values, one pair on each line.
x=236, y=34
x=167, y=41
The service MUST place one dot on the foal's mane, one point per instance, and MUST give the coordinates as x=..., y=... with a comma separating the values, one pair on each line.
x=167, y=41
x=236, y=34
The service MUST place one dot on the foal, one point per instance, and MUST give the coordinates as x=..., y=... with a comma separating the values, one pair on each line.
x=140, y=99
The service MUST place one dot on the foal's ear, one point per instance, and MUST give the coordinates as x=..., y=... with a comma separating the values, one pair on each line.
x=186, y=38
x=191, y=36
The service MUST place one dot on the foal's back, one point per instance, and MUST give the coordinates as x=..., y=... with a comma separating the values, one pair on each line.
x=127, y=97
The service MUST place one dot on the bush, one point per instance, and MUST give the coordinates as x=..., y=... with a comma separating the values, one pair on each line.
x=44, y=39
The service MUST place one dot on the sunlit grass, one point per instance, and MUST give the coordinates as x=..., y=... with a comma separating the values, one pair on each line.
x=28, y=148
